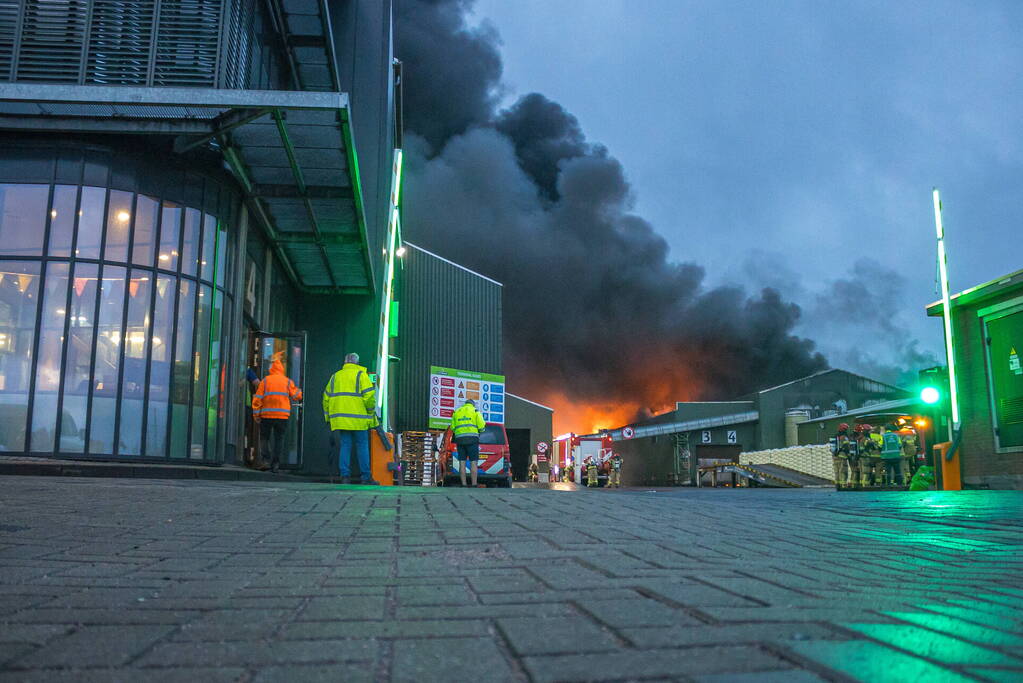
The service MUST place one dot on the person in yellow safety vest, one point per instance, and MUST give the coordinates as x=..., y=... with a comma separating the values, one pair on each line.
x=466, y=425
x=349, y=405
x=591, y=474
x=271, y=409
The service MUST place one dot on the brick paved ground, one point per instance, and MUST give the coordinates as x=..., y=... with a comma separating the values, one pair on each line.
x=132, y=580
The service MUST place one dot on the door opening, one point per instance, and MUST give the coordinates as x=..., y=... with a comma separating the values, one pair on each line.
x=263, y=349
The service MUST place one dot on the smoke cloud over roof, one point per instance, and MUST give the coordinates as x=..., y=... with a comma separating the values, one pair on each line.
x=595, y=311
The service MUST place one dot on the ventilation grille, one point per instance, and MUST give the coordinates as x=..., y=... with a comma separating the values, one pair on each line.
x=190, y=43
x=52, y=38
x=1012, y=410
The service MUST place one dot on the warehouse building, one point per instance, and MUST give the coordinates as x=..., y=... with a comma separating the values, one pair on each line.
x=669, y=449
x=987, y=328
x=189, y=190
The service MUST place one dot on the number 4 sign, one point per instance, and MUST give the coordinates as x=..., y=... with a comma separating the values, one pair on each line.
x=733, y=437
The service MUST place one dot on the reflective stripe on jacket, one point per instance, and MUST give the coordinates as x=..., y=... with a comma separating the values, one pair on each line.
x=467, y=421
x=274, y=395
x=349, y=399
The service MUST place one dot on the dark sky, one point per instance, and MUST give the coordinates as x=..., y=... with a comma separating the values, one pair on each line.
x=795, y=144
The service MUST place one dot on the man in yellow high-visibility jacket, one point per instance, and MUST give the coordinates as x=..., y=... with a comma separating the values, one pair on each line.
x=466, y=425
x=349, y=407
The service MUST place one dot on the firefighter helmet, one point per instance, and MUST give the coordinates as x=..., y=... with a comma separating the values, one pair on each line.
x=844, y=427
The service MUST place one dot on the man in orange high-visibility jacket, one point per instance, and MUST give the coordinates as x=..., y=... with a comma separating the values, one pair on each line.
x=271, y=408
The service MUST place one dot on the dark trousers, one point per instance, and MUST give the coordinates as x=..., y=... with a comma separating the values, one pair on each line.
x=893, y=470
x=273, y=432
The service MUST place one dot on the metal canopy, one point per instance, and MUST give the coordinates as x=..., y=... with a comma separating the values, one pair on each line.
x=292, y=153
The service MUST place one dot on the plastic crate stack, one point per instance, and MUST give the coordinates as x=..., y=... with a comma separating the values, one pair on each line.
x=417, y=459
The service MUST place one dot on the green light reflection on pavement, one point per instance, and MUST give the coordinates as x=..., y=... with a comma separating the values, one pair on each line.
x=872, y=662
x=998, y=675
x=961, y=629
x=933, y=645
x=975, y=610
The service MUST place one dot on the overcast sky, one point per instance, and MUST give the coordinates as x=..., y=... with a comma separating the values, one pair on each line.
x=779, y=142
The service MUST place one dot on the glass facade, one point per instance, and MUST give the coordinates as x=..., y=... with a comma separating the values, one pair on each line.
x=113, y=300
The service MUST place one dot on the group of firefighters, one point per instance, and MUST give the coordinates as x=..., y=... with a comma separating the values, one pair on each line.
x=611, y=468
x=877, y=456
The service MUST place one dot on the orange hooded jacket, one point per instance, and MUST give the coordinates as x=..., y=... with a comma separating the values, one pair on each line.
x=274, y=395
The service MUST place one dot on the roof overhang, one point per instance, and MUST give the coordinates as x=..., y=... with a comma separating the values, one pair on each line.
x=291, y=152
x=979, y=293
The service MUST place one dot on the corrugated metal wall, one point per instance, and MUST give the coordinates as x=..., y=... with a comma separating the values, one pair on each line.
x=448, y=316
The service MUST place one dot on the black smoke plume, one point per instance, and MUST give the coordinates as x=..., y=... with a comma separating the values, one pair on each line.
x=594, y=310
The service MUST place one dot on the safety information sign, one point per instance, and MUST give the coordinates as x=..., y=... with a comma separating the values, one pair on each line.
x=450, y=389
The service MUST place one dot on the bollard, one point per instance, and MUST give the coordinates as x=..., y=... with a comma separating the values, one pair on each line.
x=951, y=476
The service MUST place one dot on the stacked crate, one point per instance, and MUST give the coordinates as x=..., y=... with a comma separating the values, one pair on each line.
x=417, y=468
x=812, y=459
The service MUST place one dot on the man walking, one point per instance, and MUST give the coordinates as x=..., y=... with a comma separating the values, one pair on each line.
x=271, y=408
x=349, y=407
x=466, y=425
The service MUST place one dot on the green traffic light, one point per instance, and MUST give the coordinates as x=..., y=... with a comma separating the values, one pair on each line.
x=930, y=395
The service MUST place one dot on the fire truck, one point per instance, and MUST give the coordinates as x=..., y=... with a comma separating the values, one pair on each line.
x=572, y=449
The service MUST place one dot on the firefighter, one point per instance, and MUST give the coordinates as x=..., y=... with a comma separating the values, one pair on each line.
x=349, y=409
x=870, y=456
x=615, y=473
x=910, y=450
x=891, y=454
x=271, y=409
x=592, y=473
x=840, y=456
x=534, y=473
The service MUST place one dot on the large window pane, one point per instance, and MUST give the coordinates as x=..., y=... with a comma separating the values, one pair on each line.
x=209, y=247
x=133, y=382
x=223, y=267
x=109, y=338
x=147, y=210
x=218, y=370
x=90, y=222
x=160, y=367
x=23, y=218
x=19, y=289
x=118, y=225
x=79, y=357
x=62, y=219
x=181, y=381
x=190, y=244
x=49, y=357
x=170, y=235
x=201, y=374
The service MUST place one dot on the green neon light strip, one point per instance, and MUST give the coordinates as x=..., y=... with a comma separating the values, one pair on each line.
x=946, y=303
x=383, y=343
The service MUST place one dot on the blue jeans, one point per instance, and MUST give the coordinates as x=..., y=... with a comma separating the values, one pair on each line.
x=344, y=459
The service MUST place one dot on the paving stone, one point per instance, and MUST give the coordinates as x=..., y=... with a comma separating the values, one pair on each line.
x=530, y=636
x=737, y=634
x=868, y=661
x=628, y=664
x=449, y=659
x=384, y=629
x=636, y=612
x=933, y=645
x=314, y=673
x=94, y=646
x=343, y=607
x=259, y=653
x=171, y=675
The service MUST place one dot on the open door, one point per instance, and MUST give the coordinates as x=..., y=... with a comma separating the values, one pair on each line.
x=289, y=348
